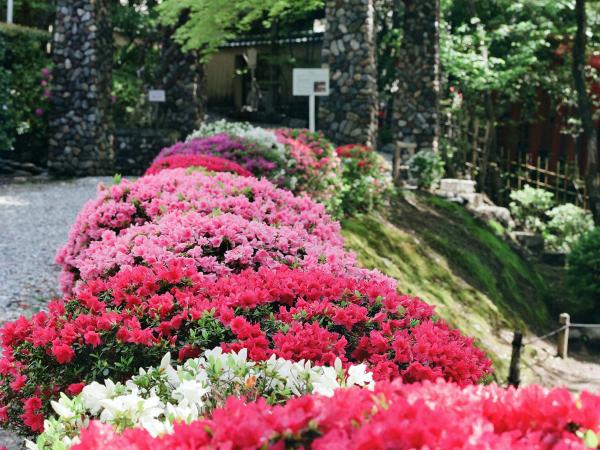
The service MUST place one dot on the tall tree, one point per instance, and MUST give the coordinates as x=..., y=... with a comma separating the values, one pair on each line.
x=589, y=136
x=211, y=22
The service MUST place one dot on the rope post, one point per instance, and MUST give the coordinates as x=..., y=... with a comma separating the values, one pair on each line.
x=563, y=336
x=514, y=372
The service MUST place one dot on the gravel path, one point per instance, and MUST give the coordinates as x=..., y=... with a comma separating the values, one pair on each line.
x=34, y=222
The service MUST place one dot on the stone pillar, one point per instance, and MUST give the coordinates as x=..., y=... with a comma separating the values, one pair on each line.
x=349, y=114
x=81, y=141
x=416, y=106
x=183, y=79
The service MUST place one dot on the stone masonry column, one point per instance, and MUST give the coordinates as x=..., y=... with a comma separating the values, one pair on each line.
x=182, y=77
x=349, y=114
x=81, y=141
x=416, y=106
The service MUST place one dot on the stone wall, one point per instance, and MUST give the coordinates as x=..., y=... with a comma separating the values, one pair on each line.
x=183, y=79
x=349, y=114
x=136, y=148
x=80, y=142
x=416, y=106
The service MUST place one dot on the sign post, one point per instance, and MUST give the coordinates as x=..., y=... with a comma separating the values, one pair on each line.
x=311, y=82
x=9, y=11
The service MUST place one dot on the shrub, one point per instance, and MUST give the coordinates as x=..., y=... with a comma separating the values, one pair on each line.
x=313, y=174
x=120, y=206
x=111, y=327
x=254, y=156
x=529, y=206
x=566, y=225
x=210, y=163
x=398, y=416
x=365, y=184
x=25, y=80
x=162, y=395
x=584, y=271
x=426, y=168
x=216, y=244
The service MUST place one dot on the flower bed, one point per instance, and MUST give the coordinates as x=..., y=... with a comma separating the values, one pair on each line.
x=121, y=206
x=210, y=163
x=312, y=165
x=420, y=416
x=111, y=327
x=160, y=396
x=260, y=159
x=216, y=244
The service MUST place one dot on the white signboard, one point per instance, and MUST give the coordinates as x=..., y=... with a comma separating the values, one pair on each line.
x=311, y=82
x=157, y=96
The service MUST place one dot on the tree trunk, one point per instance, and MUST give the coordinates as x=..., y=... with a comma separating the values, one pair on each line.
x=589, y=136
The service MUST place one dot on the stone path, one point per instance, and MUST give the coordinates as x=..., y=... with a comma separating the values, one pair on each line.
x=34, y=222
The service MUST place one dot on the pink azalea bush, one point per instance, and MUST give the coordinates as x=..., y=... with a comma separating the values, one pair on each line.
x=210, y=163
x=397, y=416
x=315, y=171
x=217, y=244
x=128, y=203
x=114, y=325
x=261, y=160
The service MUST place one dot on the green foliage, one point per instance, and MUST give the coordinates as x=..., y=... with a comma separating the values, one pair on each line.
x=136, y=61
x=205, y=24
x=426, y=168
x=365, y=183
x=529, y=206
x=22, y=60
x=31, y=13
x=584, y=271
x=507, y=47
x=566, y=226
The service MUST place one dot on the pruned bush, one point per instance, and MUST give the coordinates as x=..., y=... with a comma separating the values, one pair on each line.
x=164, y=395
x=396, y=416
x=216, y=244
x=257, y=157
x=426, y=168
x=128, y=203
x=112, y=326
x=210, y=163
x=528, y=207
x=566, y=224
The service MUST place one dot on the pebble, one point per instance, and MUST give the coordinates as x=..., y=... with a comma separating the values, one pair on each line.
x=35, y=218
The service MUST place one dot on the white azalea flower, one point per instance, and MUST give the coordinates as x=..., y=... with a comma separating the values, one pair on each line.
x=61, y=409
x=358, y=376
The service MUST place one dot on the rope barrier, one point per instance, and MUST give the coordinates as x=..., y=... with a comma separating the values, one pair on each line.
x=584, y=325
x=564, y=327
x=558, y=330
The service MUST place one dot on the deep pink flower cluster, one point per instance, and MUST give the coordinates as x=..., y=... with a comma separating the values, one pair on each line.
x=133, y=317
x=210, y=163
x=256, y=158
x=120, y=206
x=397, y=416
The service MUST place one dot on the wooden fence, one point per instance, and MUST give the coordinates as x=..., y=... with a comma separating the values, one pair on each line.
x=562, y=180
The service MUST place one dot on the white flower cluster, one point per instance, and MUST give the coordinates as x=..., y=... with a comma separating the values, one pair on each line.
x=242, y=130
x=159, y=396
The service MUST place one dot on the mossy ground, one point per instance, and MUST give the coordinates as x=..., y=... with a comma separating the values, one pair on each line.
x=440, y=253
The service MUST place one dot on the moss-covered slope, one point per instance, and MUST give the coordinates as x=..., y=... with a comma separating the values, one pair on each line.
x=439, y=252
